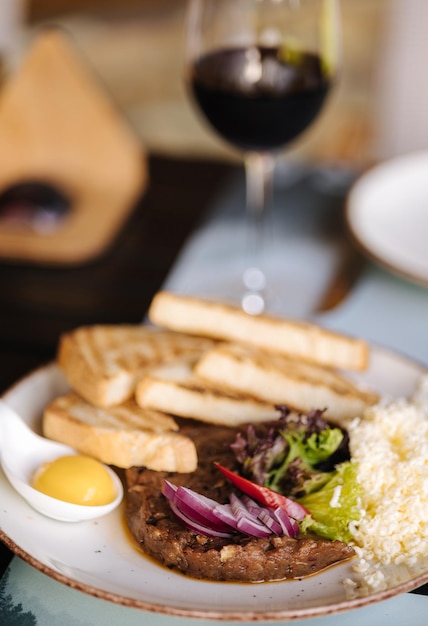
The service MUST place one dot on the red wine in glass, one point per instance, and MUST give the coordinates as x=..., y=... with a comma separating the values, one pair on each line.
x=260, y=115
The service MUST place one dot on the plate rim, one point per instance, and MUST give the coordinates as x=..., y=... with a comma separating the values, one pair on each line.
x=350, y=210
x=209, y=614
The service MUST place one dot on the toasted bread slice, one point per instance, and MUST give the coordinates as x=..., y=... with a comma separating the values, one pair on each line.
x=102, y=363
x=123, y=436
x=295, y=339
x=280, y=380
x=176, y=390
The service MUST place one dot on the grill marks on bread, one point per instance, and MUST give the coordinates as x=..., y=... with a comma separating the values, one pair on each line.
x=179, y=391
x=281, y=380
x=296, y=339
x=123, y=436
x=104, y=362
x=127, y=416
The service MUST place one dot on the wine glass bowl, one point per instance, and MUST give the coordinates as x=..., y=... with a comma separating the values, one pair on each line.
x=260, y=72
x=255, y=98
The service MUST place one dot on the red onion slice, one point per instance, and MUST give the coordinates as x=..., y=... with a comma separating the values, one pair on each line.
x=266, y=516
x=169, y=490
x=246, y=523
x=200, y=508
x=290, y=527
x=251, y=505
x=225, y=513
x=198, y=528
x=195, y=506
x=210, y=518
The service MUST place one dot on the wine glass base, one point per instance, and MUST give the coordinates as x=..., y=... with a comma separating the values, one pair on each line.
x=254, y=279
x=254, y=283
x=253, y=303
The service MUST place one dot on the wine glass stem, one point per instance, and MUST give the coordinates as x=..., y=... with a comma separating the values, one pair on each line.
x=259, y=171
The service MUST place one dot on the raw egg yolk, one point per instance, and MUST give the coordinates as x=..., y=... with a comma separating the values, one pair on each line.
x=76, y=479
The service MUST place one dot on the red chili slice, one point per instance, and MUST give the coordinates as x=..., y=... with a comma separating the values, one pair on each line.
x=266, y=496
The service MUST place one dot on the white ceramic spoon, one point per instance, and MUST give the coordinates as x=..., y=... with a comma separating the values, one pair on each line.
x=22, y=453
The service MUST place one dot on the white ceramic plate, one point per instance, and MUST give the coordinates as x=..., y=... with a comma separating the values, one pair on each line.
x=387, y=214
x=99, y=558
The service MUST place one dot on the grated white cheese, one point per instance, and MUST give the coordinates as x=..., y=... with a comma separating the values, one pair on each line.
x=390, y=445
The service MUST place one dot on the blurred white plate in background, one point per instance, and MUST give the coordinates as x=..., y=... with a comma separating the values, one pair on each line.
x=387, y=214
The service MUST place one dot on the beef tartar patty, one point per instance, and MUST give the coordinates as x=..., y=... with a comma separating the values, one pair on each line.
x=164, y=537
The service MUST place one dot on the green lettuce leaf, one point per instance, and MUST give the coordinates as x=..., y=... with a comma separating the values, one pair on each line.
x=334, y=506
x=294, y=455
x=310, y=451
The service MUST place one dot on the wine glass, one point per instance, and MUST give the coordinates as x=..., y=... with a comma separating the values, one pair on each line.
x=260, y=72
